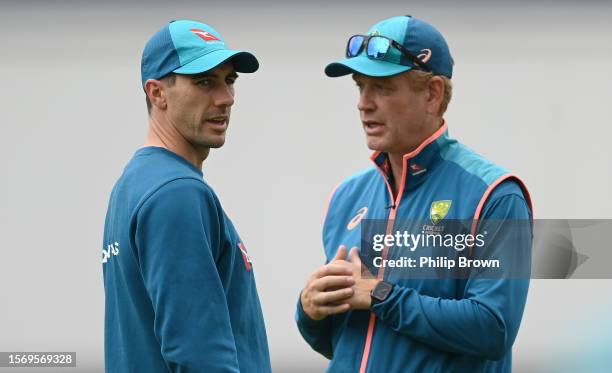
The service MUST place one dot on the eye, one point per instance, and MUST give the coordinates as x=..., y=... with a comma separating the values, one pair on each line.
x=231, y=80
x=204, y=82
x=385, y=88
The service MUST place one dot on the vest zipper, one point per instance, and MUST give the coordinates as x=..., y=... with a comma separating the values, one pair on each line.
x=381, y=272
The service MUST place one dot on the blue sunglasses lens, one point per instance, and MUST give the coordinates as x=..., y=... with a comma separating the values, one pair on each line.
x=378, y=47
x=354, y=46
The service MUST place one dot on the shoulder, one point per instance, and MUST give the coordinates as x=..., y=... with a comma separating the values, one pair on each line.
x=508, y=187
x=156, y=171
x=473, y=163
x=508, y=199
x=179, y=195
x=496, y=182
x=356, y=181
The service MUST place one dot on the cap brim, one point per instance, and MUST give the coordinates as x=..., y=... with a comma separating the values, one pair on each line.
x=364, y=65
x=244, y=62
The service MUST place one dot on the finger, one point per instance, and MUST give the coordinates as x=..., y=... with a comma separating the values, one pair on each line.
x=333, y=269
x=327, y=282
x=340, y=254
x=325, y=298
x=333, y=309
x=354, y=256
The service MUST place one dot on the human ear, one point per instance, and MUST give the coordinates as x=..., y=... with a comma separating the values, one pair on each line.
x=155, y=91
x=435, y=88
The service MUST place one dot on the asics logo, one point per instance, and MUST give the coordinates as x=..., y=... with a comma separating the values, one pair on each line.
x=357, y=219
x=425, y=55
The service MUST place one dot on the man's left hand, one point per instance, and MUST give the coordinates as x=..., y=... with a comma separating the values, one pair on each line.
x=364, y=282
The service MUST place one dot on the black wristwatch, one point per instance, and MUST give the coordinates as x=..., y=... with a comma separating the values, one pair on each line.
x=380, y=292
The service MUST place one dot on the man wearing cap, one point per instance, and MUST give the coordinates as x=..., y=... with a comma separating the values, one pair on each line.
x=392, y=322
x=179, y=284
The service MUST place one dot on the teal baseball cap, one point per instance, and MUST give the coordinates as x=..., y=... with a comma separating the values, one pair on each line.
x=189, y=47
x=417, y=38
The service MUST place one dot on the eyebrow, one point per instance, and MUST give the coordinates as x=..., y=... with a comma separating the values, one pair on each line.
x=233, y=74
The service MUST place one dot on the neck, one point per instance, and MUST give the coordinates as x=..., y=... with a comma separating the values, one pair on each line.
x=397, y=167
x=166, y=136
x=396, y=159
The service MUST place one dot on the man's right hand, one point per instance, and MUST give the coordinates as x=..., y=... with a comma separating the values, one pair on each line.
x=327, y=287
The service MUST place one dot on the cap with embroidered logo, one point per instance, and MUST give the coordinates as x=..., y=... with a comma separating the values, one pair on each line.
x=190, y=47
x=417, y=37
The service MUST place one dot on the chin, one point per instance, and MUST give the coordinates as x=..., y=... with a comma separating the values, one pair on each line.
x=211, y=143
x=376, y=145
x=216, y=144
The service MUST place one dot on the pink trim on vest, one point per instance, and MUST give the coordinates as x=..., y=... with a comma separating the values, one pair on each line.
x=368, y=344
x=329, y=201
x=439, y=132
x=488, y=192
x=390, y=219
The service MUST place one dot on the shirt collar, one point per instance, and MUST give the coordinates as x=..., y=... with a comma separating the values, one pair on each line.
x=418, y=163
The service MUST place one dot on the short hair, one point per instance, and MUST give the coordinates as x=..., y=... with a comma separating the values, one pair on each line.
x=170, y=79
x=419, y=83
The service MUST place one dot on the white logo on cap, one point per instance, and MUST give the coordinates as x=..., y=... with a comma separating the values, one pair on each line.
x=425, y=55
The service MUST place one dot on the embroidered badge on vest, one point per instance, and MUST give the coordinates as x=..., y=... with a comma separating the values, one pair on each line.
x=439, y=209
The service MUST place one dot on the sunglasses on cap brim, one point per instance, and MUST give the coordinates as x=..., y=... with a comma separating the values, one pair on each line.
x=377, y=47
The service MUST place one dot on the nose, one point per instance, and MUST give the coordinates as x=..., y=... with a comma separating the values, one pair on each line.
x=366, y=101
x=224, y=97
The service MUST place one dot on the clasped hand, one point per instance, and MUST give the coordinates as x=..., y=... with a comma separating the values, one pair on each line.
x=338, y=286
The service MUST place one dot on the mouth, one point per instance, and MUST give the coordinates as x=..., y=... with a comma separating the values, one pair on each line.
x=219, y=121
x=372, y=127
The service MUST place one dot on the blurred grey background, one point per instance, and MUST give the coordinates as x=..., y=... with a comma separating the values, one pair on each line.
x=533, y=86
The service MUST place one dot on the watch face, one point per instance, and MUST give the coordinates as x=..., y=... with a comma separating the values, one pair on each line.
x=382, y=290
